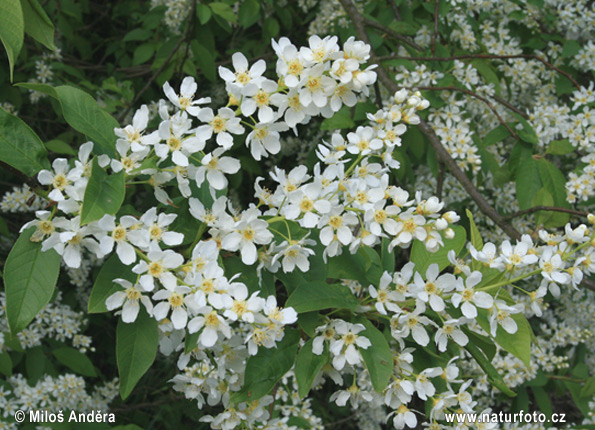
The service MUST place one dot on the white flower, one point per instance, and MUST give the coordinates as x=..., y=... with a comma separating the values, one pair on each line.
x=294, y=254
x=260, y=97
x=215, y=167
x=158, y=266
x=71, y=241
x=242, y=75
x=386, y=298
x=363, y=141
x=403, y=417
x=184, y=101
x=179, y=146
x=470, y=298
x=552, y=266
x=175, y=299
x=278, y=315
x=265, y=139
x=450, y=329
x=129, y=298
x=133, y=134
x=247, y=232
x=432, y=289
x=211, y=324
x=60, y=179
x=224, y=124
x=157, y=227
x=345, y=349
x=500, y=315
x=121, y=235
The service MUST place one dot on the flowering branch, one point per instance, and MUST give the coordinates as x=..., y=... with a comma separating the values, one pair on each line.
x=426, y=129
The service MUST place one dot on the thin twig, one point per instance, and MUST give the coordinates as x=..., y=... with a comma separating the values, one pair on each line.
x=151, y=80
x=188, y=37
x=545, y=208
x=485, y=56
x=440, y=181
x=478, y=97
x=436, y=10
x=441, y=152
x=395, y=8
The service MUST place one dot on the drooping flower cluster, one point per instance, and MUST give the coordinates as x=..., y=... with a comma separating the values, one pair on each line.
x=347, y=204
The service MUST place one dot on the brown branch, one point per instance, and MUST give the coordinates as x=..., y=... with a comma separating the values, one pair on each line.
x=485, y=56
x=441, y=152
x=508, y=105
x=478, y=97
x=395, y=8
x=436, y=10
x=545, y=208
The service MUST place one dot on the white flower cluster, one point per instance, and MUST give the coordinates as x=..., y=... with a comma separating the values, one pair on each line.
x=345, y=203
x=176, y=13
x=44, y=72
x=21, y=199
x=55, y=321
x=61, y=393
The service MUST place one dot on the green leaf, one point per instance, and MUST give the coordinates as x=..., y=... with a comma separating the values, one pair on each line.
x=527, y=182
x=203, y=13
x=307, y=367
x=224, y=11
x=495, y=135
x=270, y=28
x=205, y=60
x=12, y=30
x=136, y=348
x=589, y=388
x=137, y=35
x=60, y=147
x=570, y=48
x=543, y=401
x=104, y=194
x=378, y=357
x=190, y=342
x=20, y=147
x=36, y=364
x=519, y=343
x=423, y=258
x=494, y=377
x=30, y=277
x=37, y=23
x=105, y=286
x=83, y=114
x=341, y=119
x=476, y=240
x=267, y=367
x=309, y=321
x=363, y=266
x=5, y=364
x=543, y=198
x=560, y=147
x=387, y=258
x=316, y=295
x=249, y=13
x=526, y=133
x=488, y=73
x=75, y=360
x=143, y=53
